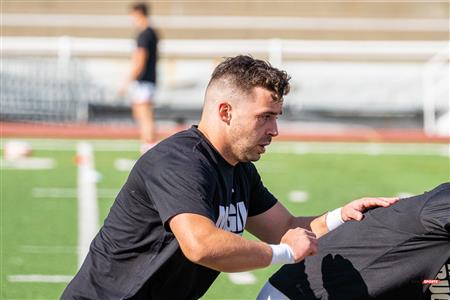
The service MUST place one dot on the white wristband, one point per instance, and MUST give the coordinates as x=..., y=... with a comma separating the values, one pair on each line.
x=282, y=254
x=334, y=219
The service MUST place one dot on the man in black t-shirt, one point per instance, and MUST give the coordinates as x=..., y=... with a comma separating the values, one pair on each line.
x=393, y=253
x=178, y=220
x=142, y=77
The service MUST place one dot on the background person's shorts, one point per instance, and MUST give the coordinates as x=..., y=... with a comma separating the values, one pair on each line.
x=142, y=91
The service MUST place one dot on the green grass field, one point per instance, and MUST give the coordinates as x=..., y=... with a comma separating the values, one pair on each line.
x=39, y=207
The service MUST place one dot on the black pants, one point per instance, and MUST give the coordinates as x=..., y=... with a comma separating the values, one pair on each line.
x=387, y=255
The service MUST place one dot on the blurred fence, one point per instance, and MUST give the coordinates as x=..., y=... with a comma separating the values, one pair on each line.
x=46, y=89
x=74, y=79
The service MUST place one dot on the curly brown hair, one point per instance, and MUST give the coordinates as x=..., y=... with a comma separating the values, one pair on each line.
x=246, y=73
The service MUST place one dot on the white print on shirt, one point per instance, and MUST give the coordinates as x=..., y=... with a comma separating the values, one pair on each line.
x=441, y=290
x=232, y=219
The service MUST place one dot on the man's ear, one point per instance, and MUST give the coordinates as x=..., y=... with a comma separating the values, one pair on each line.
x=225, y=112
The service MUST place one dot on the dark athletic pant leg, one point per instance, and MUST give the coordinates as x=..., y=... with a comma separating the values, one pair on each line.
x=385, y=256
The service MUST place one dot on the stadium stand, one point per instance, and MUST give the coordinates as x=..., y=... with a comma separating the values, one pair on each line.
x=356, y=20
x=355, y=62
x=44, y=89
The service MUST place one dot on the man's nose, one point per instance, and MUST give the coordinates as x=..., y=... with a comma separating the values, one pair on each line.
x=273, y=129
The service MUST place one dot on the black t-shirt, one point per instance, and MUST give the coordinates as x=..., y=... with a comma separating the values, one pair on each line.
x=148, y=40
x=387, y=255
x=135, y=255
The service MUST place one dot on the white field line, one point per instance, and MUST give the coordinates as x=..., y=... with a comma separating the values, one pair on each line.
x=87, y=200
x=298, y=196
x=242, y=278
x=28, y=163
x=124, y=164
x=359, y=148
x=40, y=278
x=277, y=147
x=69, y=145
x=54, y=192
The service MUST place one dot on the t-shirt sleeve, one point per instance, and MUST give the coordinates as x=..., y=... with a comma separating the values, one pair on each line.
x=145, y=39
x=261, y=199
x=181, y=185
x=436, y=212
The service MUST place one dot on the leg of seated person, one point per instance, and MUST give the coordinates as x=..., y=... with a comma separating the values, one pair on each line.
x=387, y=255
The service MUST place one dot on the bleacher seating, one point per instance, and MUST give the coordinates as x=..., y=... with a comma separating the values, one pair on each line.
x=353, y=20
x=45, y=89
x=346, y=59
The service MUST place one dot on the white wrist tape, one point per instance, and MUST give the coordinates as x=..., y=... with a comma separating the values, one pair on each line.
x=334, y=219
x=282, y=254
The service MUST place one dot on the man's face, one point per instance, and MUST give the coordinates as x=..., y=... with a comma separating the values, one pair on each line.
x=253, y=124
x=136, y=18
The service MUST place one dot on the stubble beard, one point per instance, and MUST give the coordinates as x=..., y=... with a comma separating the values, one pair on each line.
x=243, y=148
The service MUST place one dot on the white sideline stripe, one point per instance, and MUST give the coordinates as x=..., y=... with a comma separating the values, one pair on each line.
x=230, y=22
x=69, y=145
x=366, y=149
x=28, y=163
x=242, y=278
x=277, y=147
x=54, y=192
x=298, y=196
x=87, y=200
x=40, y=278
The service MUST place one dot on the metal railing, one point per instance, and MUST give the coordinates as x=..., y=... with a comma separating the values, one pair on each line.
x=276, y=49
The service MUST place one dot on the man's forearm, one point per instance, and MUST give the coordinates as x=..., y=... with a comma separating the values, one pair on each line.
x=316, y=224
x=205, y=244
x=228, y=252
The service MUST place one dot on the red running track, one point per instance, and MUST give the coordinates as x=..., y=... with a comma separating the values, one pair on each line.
x=89, y=131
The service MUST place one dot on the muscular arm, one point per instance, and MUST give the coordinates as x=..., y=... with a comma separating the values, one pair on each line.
x=205, y=244
x=271, y=225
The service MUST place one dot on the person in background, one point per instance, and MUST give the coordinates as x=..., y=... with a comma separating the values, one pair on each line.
x=141, y=81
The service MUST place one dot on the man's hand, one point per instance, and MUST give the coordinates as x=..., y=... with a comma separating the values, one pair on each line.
x=302, y=242
x=354, y=210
